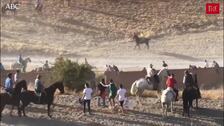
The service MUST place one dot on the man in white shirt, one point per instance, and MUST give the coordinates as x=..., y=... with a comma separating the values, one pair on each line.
x=17, y=76
x=121, y=93
x=87, y=95
x=152, y=75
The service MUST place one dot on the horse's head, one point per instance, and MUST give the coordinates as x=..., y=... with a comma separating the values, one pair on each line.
x=60, y=86
x=28, y=59
x=20, y=85
x=135, y=36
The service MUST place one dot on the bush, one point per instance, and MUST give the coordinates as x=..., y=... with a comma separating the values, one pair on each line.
x=74, y=75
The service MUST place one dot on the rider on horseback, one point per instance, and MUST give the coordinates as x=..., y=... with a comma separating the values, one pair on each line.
x=171, y=83
x=152, y=74
x=20, y=59
x=39, y=88
x=188, y=79
x=9, y=84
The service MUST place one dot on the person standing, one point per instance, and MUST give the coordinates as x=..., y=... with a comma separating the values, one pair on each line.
x=1, y=67
x=113, y=93
x=101, y=87
x=216, y=66
x=9, y=84
x=121, y=93
x=17, y=76
x=87, y=95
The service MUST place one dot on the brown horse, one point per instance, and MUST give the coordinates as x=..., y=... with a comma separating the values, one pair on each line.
x=14, y=98
x=141, y=40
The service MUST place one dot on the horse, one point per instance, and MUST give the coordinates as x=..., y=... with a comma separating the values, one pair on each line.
x=142, y=40
x=14, y=98
x=30, y=96
x=21, y=66
x=142, y=84
x=6, y=7
x=188, y=95
x=167, y=98
x=39, y=6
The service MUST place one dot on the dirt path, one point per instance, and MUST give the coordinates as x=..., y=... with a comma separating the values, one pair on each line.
x=67, y=111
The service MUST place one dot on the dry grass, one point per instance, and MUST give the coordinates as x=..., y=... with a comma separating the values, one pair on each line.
x=214, y=94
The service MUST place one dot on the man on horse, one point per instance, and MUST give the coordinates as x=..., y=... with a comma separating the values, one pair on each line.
x=9, y=84
x=20, y=59
x=39, y=88
x=188, y=79
x=172, y=83
x=152, y=75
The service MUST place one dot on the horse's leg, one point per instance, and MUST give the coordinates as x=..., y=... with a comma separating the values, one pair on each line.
x=19, y=111
x=158, y=97
x=48, y=110
x=11, y=110
x=147, y=44
x=166, y=109
x=1, y=109
x=196, y=103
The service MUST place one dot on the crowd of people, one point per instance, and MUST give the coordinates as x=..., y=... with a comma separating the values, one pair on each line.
x=110, y=90
x=104, y=91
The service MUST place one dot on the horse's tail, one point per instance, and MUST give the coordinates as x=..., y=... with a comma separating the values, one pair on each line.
x=133, y=88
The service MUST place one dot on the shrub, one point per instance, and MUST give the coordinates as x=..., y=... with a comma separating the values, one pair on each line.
x=74, y=75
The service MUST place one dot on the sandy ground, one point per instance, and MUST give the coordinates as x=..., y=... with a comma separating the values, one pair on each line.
x=178, y=51
x=67, y=111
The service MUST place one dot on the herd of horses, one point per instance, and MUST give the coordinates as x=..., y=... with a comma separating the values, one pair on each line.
x=21, y=97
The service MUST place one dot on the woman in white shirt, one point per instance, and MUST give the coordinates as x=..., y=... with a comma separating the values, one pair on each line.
x=121, y=93
x=87, y=95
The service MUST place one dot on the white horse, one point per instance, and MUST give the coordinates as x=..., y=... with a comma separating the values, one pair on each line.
x=167, y=99
x=142, y=84
x=21, y=66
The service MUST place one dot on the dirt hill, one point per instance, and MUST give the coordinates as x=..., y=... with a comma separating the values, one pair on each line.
x=104, y=28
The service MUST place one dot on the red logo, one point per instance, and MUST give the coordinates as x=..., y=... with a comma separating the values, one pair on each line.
x=212, y=8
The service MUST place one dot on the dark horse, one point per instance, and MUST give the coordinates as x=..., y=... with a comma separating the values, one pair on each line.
x=30, y=96
x=14, y=98
x=139, y=41
x=6, y=7
x=188, y=95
